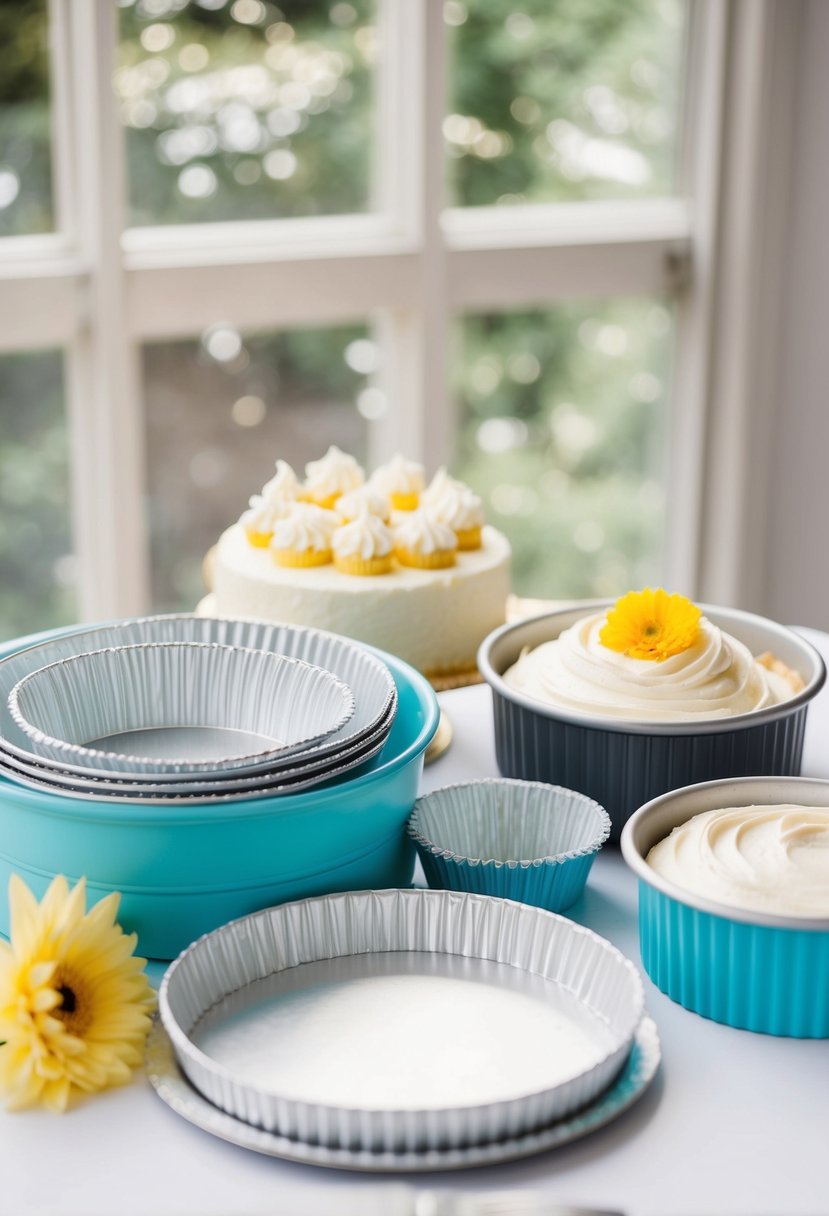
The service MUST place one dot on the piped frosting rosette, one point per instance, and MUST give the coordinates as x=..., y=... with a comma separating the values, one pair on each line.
x=763, y=858
x=304, y=536
x=714, y=677
x=334, y=474
x=364, y=546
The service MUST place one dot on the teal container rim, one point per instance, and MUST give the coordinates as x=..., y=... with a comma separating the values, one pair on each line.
x=655, y=820
x=63, y=807
x=592, y=847
x=502, y=647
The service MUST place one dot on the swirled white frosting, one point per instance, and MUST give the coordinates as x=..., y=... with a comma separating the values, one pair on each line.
x=440, y=483
x=265, y=512
x=365, y=499
x=366, y=537
x=420, y=532
x=762, y=858
x=333, y=474
x=453, y=502
x=283, y=484
x=398, y=476
x=716, y=677
x=305, y=527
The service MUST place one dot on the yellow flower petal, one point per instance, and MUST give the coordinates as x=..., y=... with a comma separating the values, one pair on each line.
x=74, y=999
x=23, y=909
x=651, y=625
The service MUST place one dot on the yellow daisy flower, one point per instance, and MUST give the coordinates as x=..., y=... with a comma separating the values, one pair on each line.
x=74, y=1003
x=651, y=625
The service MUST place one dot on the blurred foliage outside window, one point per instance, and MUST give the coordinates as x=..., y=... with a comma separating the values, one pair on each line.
x=219, y=413
x=564, y=433
x=246, y=110
x=554, y=101
x=242, y=109
x=37, y=570
x=25, y=167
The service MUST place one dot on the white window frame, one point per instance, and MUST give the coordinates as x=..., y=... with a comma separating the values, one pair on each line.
x=100, y=292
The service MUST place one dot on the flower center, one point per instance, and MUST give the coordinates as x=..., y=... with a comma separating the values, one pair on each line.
x=68, y=999
x=74, y=1010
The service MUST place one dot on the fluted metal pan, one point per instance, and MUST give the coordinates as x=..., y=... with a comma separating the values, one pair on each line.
x=175, y=1090
x=401, y=1019
x=181, y=794
x=365, y=673
x=229, y=782
x=178, y=707
x=519, y=840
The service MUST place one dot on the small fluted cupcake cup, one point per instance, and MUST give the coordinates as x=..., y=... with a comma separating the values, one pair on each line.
x=520, y=840
x=752, y=970
x=624, y=764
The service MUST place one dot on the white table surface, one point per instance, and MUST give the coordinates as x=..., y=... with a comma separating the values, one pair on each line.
x=734, y=1125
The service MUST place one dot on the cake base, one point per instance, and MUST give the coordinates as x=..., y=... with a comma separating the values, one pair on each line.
x=433, y=619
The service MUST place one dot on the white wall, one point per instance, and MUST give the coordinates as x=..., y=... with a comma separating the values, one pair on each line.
x=797, y=552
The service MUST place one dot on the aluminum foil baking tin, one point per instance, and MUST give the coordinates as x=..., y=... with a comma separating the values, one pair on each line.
x=365, y=673
x=402, y=1019
x=175, y=1090
x=752, y=970
x=515, y=839
x=178, y=707
x=624, y=764
x=319, y=768
x=152, y=795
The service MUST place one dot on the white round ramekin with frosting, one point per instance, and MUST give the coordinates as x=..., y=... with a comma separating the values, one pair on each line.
x=625, y=701
x=734, y=900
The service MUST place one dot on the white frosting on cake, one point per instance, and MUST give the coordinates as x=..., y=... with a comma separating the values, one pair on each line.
x=333, y=474
x=363, y=499
x=398, y=476
x=265, y=512
x=366, y=537
x=433, y=619
x=421, y=532
x=762, y=858
x=305, y=527
x=716, y=677
x=453, y=503
x=284, y=483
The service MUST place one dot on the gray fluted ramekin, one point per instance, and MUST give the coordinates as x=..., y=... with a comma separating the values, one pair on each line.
x=519, y=840
x=624, y=764
x=756, y=971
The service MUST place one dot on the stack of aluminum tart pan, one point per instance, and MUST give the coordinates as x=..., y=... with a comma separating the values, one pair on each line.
x=166, y=710
x=400, y=1025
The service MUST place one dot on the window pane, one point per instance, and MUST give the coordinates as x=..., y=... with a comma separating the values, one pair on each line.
x=246, y=110
x=219, y=414
x=564, y=433
x=556, y=100
x=36, y=567
x=25, y=168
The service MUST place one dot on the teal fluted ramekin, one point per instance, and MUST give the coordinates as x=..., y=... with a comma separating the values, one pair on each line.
x=751, y=970
x=521, y=840
x=185, y=871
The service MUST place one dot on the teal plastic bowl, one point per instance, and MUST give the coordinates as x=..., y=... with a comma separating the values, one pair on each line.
x=182, y=872
x=751, y=970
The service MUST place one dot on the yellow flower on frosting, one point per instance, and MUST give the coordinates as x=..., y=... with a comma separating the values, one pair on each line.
x=651, y=625
x=74, y=1002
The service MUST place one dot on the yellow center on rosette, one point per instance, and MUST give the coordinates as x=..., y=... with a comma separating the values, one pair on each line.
x=651, y=625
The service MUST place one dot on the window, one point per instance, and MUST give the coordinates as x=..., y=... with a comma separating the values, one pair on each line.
x=462, y=230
